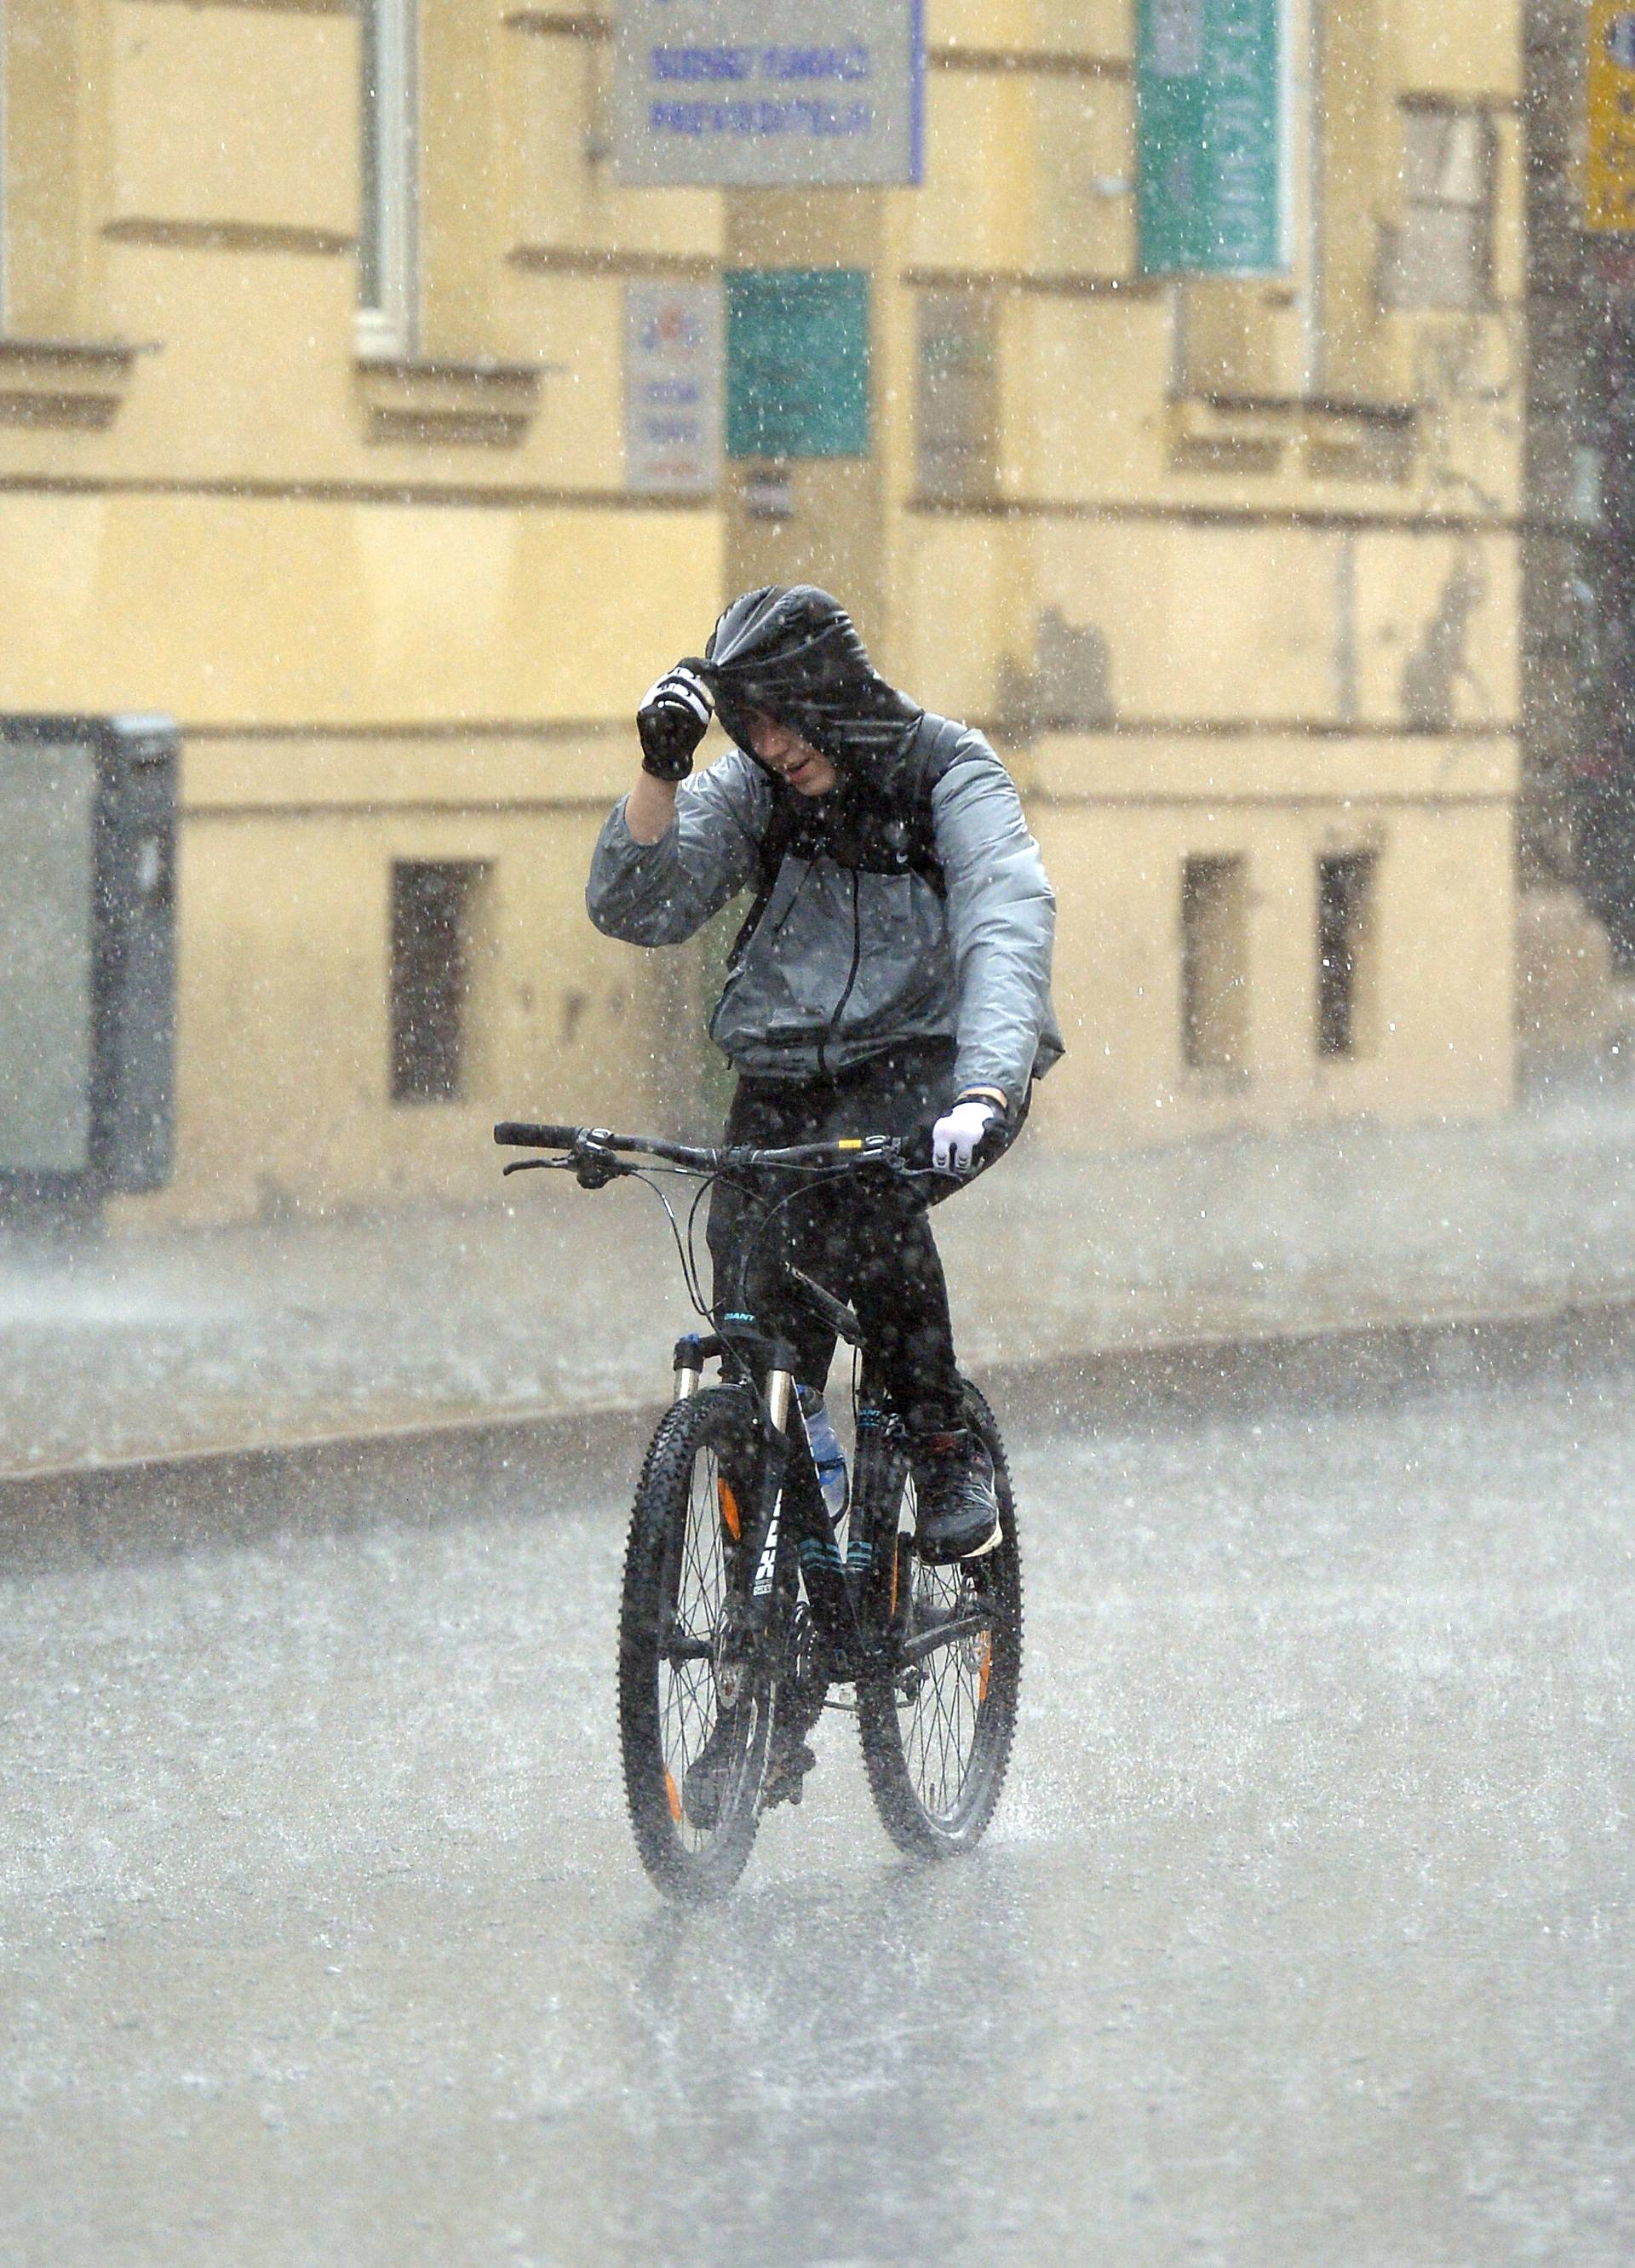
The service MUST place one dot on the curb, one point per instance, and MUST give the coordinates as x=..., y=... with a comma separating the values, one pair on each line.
x=444, y=1469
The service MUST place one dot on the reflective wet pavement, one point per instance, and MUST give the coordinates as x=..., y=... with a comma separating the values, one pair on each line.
x=1303, y=1937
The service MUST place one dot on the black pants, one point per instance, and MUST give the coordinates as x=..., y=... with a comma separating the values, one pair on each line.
x=863, y=1237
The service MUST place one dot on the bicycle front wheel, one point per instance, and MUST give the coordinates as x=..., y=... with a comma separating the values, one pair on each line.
x=937, y=1732
x=692, y=1766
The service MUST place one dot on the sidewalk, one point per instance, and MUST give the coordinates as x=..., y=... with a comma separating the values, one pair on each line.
x=553, y=1298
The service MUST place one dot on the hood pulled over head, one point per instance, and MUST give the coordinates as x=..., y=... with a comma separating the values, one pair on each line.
x=794, y=653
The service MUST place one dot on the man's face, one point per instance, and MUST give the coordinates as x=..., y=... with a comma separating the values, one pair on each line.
x=779, y=746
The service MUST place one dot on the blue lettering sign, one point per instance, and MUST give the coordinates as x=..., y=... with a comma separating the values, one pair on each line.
x=703, y=63
x=768, y=92
x=815, y=62
x=805, y=115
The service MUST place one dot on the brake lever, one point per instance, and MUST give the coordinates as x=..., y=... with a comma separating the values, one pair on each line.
x=593, y=1168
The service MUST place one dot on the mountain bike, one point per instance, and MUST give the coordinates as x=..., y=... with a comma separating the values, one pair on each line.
x=745, y=1602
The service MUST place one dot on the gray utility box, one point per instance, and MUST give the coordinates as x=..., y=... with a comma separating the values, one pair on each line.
x=88, y=954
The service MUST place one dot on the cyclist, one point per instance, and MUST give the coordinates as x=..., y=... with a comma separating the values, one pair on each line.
x=893, y=975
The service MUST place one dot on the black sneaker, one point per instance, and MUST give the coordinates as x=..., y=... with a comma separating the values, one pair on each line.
x=786, y=1769
x=958, y=1513
x=708, y=1776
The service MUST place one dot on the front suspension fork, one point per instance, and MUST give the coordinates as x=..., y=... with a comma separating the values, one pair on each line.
x=749, y=1610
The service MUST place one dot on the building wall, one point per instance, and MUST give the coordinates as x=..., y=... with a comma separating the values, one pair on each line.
x=1233, y=570
x=1226, y=571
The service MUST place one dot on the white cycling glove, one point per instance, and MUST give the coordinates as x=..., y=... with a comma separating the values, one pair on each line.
x=958, y=1135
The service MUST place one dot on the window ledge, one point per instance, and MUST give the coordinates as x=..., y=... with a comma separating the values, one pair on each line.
x=1369, y=440
x=1219, y=1079
x=481, y=404
x=78, y=383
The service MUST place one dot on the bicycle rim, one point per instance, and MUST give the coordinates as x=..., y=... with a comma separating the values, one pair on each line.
x=936, y=1735
x=692, y=1769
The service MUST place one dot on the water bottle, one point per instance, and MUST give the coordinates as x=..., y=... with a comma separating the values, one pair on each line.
x=827, y=1454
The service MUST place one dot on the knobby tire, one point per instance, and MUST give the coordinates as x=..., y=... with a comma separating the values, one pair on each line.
x=936, y=1762
x=675, y=1577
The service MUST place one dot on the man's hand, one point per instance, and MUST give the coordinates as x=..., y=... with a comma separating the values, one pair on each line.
x=959, y=1133
x=672, y=720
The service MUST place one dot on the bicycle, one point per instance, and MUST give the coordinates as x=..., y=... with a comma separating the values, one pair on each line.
x=744, y=1602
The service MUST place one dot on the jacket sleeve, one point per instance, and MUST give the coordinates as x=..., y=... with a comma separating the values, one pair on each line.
x=1001, y=915
x=661, y=893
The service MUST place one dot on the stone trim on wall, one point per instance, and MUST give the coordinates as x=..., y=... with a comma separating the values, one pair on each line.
x=481, y=403
x=230, y=235
x=65, y=382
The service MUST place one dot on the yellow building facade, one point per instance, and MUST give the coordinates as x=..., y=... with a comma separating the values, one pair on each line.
x=311, y=434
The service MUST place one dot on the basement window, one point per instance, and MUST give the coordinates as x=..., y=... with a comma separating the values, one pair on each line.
x=1346, y=953
x=435, y=908
x=1214, y=963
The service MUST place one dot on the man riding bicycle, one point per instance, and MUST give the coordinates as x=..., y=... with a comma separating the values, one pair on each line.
x=892, y=977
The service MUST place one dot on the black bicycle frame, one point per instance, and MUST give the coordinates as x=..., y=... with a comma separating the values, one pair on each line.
x=791, y=1526
x=858, y=1605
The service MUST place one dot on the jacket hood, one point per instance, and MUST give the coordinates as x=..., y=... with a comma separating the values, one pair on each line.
x=794, y=653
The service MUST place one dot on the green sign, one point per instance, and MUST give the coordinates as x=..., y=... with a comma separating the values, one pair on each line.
x=797, y=362
x=1210, y=155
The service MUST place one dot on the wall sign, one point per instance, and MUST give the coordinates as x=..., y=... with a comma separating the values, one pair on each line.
x=672, y=388
x=1609, y=161
x=768, y=93
x=1210, y=137
x=797, y=362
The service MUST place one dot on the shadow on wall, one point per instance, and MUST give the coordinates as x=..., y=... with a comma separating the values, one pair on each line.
x=1070, y=686
x=1439, y=662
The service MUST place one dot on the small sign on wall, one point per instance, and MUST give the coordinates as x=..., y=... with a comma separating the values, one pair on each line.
x=1210, y=138
x=673, y=389
x=1609, y=163
x=797, y=362
x=768, y=93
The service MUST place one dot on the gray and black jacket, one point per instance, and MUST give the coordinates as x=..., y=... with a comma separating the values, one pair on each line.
x=909, y=905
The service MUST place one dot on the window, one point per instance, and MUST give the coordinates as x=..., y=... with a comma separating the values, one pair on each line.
x=388, y=244
x=5, y=185
x=1214, y=963
x=957, y=410
x=1441, y=256
x=5, y=309
x=1345, y=953
x=435, y=909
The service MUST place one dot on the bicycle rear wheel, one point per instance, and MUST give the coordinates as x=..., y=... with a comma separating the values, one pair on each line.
x=693, y=1770
x=936, y=1734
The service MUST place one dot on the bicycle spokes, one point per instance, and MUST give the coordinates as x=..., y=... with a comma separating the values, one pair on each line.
x=688, y=1701
x=944, y=1689
x=937, y=1731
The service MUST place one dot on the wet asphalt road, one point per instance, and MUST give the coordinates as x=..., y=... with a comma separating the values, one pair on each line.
x=1304, y=1934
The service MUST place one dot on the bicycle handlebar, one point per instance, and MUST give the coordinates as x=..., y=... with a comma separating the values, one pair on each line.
x=519, y=1134
x=516, y=1134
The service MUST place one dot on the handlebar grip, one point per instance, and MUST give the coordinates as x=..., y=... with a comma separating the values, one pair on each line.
x=516, y=1134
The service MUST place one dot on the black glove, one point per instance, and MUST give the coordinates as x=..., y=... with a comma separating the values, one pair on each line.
x=673, y=717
